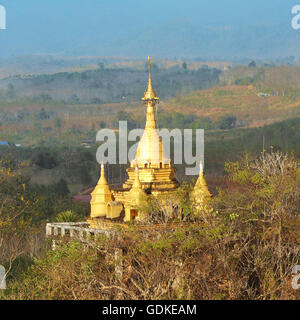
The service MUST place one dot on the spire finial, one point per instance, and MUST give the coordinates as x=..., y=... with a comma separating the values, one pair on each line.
x=102, y=169
x=137, y=183
x=201, y=167
x=150, y=93
x=201, y=191
x=102, y=179
x=150, y=65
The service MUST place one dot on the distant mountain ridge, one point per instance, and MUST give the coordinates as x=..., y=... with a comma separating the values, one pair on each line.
x=186, y=39
x=176, y=39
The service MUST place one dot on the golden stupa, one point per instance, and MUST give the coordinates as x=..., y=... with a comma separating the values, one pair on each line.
x=150, y=173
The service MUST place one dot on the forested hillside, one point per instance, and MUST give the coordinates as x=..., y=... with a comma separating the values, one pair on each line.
x=235, y=116
x=104, y=85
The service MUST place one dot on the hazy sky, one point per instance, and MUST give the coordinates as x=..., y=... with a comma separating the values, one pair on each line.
x=46, y=26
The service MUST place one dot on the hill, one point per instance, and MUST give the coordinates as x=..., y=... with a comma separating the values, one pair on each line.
x=244, y=102
x=104, y=85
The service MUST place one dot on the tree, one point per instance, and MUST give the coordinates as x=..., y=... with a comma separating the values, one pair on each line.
x=42, y=115
x=184, y=66
x=96, y=101
x=260, y=212
x=228, y=122
x=61, y=188
x=44, y=159
x=17, y=217
x=67, y=216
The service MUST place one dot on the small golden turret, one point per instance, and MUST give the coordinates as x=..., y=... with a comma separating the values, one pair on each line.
x=100, y=196
x=135, y=198
x=201, y=193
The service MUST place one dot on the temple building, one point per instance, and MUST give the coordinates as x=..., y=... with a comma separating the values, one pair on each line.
x=150, y=173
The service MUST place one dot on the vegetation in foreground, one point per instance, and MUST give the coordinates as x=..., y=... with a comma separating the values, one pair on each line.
x=243, y=245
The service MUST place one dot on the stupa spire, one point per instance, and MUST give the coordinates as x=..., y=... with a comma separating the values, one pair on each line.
x=201, y=183
x=201, y=192
x=102, y=181
x=201, y=171
x=150, y=149
x=150, y=94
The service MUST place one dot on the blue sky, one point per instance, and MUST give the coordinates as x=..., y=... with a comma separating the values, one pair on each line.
x=129, y=13
x=45, y=26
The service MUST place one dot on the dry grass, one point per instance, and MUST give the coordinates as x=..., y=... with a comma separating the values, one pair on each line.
x=242, y=101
